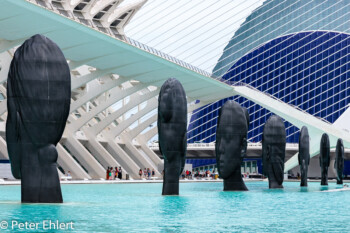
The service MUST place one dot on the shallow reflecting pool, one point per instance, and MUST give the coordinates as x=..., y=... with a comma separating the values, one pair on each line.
x=201, y=207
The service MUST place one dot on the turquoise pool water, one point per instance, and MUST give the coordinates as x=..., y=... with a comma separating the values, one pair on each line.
x=201, y=207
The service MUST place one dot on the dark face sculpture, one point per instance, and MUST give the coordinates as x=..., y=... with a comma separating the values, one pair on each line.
x=172, y=131
x=273, y=151
x=339, y=161
x=38, y=105
x=324, y=158
x=304, y=154
x=231, y=144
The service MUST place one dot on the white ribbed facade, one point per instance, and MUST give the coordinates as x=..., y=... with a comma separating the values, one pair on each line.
x=113, y=114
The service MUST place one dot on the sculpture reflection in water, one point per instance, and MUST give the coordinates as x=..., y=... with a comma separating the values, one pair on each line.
x=172, y=131
x=38, y=102
x=231, y=145
x=339, y=161
x=304, y=154
x=324, y=158
x=273, y=151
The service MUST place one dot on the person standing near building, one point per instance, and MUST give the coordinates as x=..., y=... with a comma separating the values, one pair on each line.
x=140, y=174
x=116, y=173
x=107, y=174
x=110, y=173
x=145, y=173
x=120, y=173
x=153, y=173
x=148, y=173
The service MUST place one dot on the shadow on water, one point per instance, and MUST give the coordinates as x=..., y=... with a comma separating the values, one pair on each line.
x=324, y=187
x=232, y=200
x=241, y=195
x=268, y=190
x=304, y=189
x=173, y=208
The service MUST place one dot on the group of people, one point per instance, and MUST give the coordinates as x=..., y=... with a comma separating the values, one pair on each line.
x=203, y=174
x=114, y=173
x=187, y=174
x=146, y=173
x=206, y=174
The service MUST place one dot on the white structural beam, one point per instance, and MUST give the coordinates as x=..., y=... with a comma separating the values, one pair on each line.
x=135, y=99
x=9, y=44
x=135, y=155
x=316, y=127
x=142, y=126
x=122, y=15
x=129, y=137
x=96, y=89
x=117, y=158
x=3, y=149
x=141, y=159
x=80, y=81
x=97, y=149
x=102, y=157
x=66, y=161
x=94, y=168
x=121, y=156
x=101, y=4
x=115, y=97
x=151, y=104
x=149, y=134
x=5, y=61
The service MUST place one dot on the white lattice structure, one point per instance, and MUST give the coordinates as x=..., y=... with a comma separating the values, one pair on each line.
x=115, y=81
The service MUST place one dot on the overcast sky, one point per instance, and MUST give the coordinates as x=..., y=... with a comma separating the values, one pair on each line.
x=194, y=31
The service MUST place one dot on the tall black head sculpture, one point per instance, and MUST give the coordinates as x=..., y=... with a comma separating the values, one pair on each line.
x=38, y=91
x=231, y=145
x=339, y=161
x=324, y=158
x=304, y=154
x=273, y=151
x=172, y=131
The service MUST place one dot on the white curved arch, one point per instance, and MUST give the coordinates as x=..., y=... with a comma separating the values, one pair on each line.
x=137, y=130
x=74, y=3
x=96, y=90
x=115, y=97
x=122, y=10
x=134, y=153
x=115, y=154
x=151, y=104
x=122, y=15
x=101, y=4
x=135, y=99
